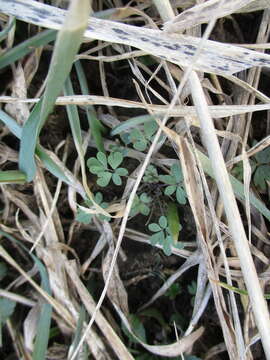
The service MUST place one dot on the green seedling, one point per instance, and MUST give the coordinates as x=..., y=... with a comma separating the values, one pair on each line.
x=151, y=175
x=175, y=183
x=141, y=205
x=161, y=235
x=262, y=170
x=107, y=168
x=85, y=217
x=140, y=139
x=174, y=290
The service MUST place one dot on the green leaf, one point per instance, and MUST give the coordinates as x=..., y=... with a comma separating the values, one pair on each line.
x=102, y=158
x=140, y=145
x=154, y=227
x=145, y=198
x=168, y=179
x=261, y=175
x=150, y=127
x=121, y=172
x=173, y=221
x=104, y=178
x=136, y=135
x=263, y=157
x=177, y=172
x=181, y=195
x=67, y=44
x=131, y=123
x=144, y=209
x=94, y=123
x=19, y=51
x=163, y=222
x=169, y=190
x=92, y=162
x=167, y=249
x=115, y=159
x=157, y=238
x=83, y=217
x=116, y=179
x=96, y=169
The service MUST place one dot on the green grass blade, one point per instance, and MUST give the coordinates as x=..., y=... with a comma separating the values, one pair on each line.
x=67, y=45
x=74, y=119
x=47, y=161
x=12, y=177
x=27, y=46
x=95, y=125
x=131, y=123
x=78, y=332
x=11, y=124
x=43, y=333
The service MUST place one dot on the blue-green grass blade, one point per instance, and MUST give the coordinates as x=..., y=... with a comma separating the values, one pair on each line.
x=66, y=47
x=73, y=117
x=27, y=46
x=46, y=160
x=95, y=125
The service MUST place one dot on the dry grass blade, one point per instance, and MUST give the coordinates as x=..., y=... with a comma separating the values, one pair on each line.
x=203, y=13
x=214, y=57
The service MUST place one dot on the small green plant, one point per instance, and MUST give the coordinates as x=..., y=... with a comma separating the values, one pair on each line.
x=85, y=217
x=174, y=290
x=151, y=175
x=175, y=183
x=260, y=168
x=140, y=139
x=161, y=235
x=261, y=173
x=141, y=205
x=107, y=168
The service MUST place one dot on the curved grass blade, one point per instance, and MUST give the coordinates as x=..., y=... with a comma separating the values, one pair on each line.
x=131, y=123
x=67, y=45
x=95, y=125
x=27, y=46
x=46, y=160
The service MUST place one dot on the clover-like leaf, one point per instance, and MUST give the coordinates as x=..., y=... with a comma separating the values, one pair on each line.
x=177, y=172
x=163, y=223
x=121, y=172
x=157, y=238
x=102, y=158
x=151, y=174
x=154, y=227
x=181, y=195
x=145, y=198
x=104, y=178
x=168, y=179
x=169, y=190
x=140, y=145
x=83, y=217
x=95, y=169
x=115, y=159
x=167, y=245
x=116, y=179
x=144, y=209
